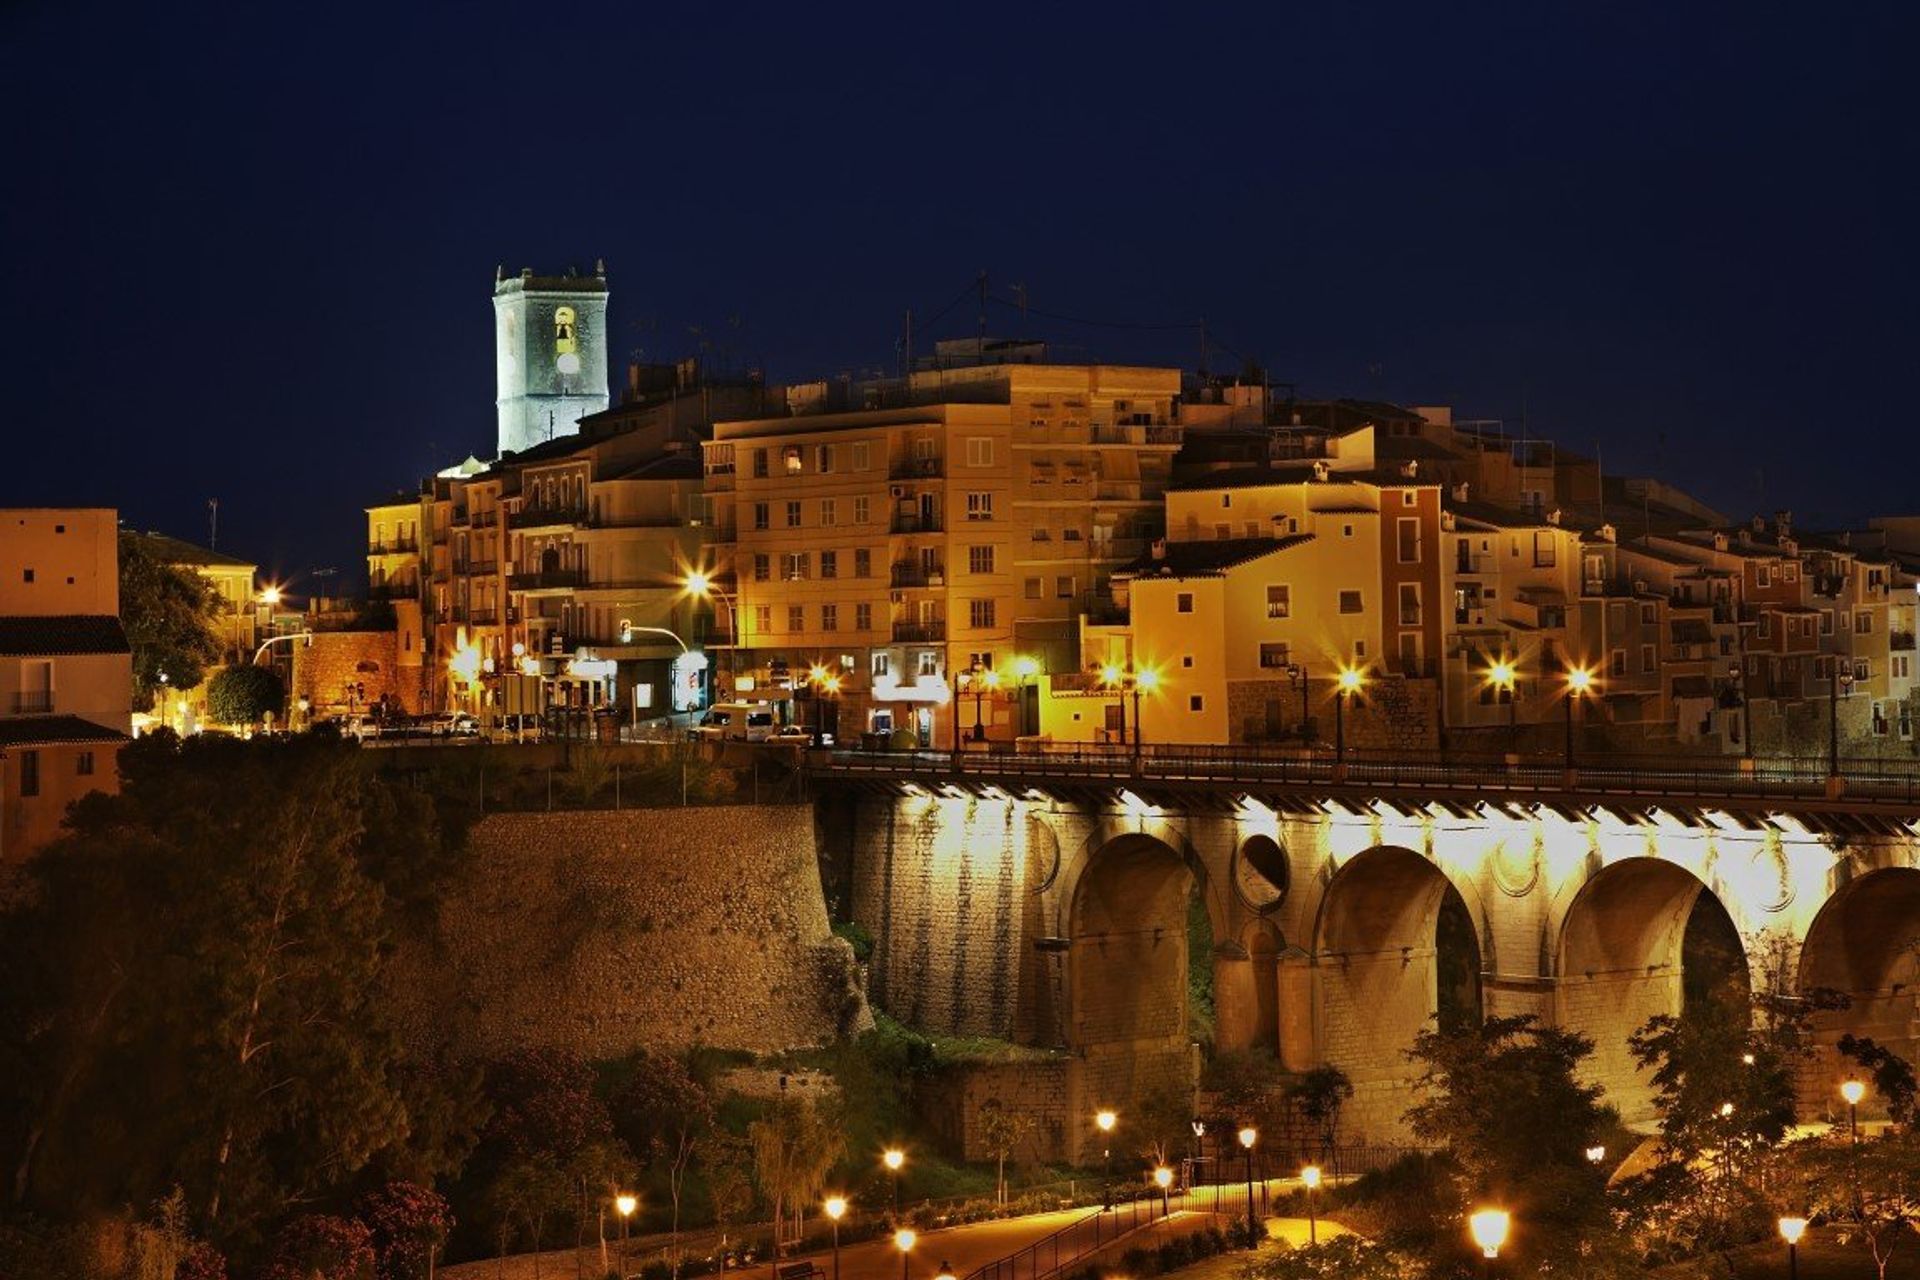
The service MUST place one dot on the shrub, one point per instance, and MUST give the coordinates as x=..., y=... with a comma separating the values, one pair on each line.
x=243, y=694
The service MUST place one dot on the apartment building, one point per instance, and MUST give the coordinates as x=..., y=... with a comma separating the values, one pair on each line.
x=958, y=520
x=66, y=672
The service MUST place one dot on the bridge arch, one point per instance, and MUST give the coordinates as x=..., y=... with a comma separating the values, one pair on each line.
x=1865, y=944
x=1396, y=946
x=1642, y=936
x=1127, y=904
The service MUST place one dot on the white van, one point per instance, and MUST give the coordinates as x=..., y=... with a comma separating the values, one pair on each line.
x=736, y=722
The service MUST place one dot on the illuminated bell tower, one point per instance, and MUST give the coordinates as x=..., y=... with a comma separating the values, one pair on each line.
x=550, y=354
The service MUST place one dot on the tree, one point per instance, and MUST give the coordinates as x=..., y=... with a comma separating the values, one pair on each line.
x=1892, y=1074
x=526, y=1192
x=1506, y=1101
x=1003, y=1131
x=410, y=1224
x=194, y=991
x=793, y=1148
x=168, y=613
x=321, y=1247
x=244, y=694
x=1869, y=1190
x=1160, y=1123
x=664, y=1115
x=728, y=1162
x=545, y=1104
x=1319, y=1095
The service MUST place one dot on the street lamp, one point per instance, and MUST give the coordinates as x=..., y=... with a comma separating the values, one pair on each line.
x=1025, y=671
x=1105, y=1120
x=1345, y=686
x=894, y=1159
x=836, y=1207
x=1489, y=1227
x=904, y=1240
x=1853, y=1091
x=1791, y=1229
x=625, y=1203
x=1146, y=680
x=1595, y=1155
x=1842, y=680
x=946, y=1270
x=1112, y=677
x=1248, y=1136
x=701, y=585
x=1163, y=1178
x=1579, y=680
x=1310, y=1178
x=1504, y=677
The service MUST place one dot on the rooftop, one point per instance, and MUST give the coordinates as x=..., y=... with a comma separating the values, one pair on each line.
x=34, y=731
x=62, y=634
x=174, y=550
x=1208, y=559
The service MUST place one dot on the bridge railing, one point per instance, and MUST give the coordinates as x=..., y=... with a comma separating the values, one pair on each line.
x=1051, y=1254
x=1599, y=773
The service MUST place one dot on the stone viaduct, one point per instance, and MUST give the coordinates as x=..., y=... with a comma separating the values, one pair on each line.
x=1344, y=918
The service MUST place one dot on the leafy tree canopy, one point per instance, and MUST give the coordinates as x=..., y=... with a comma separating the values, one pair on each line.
x=244, y=694
x=168, y=613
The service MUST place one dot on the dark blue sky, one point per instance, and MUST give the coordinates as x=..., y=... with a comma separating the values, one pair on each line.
x=250, y=249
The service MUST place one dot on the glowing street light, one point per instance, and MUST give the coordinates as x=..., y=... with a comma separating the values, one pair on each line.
x=1104, y=1120
x=1489, y=1228
x=894, y=1158
x=1791, y=1229
x=1596, y=1155
x=624, y=1204
x=1346, y=685
x=1163, y=1178
x=1310, y=1178
x=1505, y=677
x=1248, y=1136
x=1853, y=1091
x=904, y=1239
x=836, y=1209
x=1579, y=681
x=270, y=596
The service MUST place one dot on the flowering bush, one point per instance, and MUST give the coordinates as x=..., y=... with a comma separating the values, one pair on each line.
x=203, y=1262
x=322, y=1247
x=409, y=1222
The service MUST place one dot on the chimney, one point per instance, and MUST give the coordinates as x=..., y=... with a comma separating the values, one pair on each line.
x=1412, y=468
x=1719, y=541
x=1320, y=472
x=1460, y=491
x=1759, y=524
x=1553, y=517
x=1159, y=549
x=1608, y=533
x=1783, y=522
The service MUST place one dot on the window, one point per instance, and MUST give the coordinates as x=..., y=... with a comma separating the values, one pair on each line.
x=1186, y=661
x=1063, y=586
x=29, y=773
x=1252, y=529
x=862, y=562
x=1195, y=702
x=762, y=566
x=979, y=613
x=1862, y=623
x=929, y=663
x=862, y=510
x=763, y=618
x=980, y=559
x=829, y=617
x=83, y=764
x=979, y=451
x=882, y=664
x=791, y=455
x=1543, y=552
x=1901, y=666
x=1826, y=622
x=823, y=459
x=1617, y=663
x=762, y=518
x=1649, y=662
x=1862, y=670
x=863, y=617
x=796, y=617
x=1408, y=498
x=760, y=464
x=980, y=506
x=829, y=511
x=1183, y=602
x=1762, y=575
x=1226, y=499
x=1223, y=531
x=1033, y=588
x=794, y=565
x=1789, y=573
x=829, y=564
x=1650, y=614
x=1346, y=531
x=793, y=515
x=1407, y=533
x=1409, y=604
x=1350, y=602
x=859, y=460
x=1279, y=600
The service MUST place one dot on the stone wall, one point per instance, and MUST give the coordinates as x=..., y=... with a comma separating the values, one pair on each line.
x=1048, y=1089
x=345, y=671
x=604, y=932
x=1394, y=713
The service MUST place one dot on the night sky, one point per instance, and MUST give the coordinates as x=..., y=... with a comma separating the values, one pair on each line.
x=250, y=250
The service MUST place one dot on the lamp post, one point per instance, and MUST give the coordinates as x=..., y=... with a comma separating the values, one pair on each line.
x=894, y=1159
x=1248, y=1136
x=701, y=585
x=1199, y=1128
x=1104, y=1121
x=904, y=1240
x=1853, y=1091
x=1163, y=1178
x=836, y=1207
x=1310, y=1178
x=1113, y=677
x=1579, y=680
x=625, y=1203
x=1505, y=679
x=1346, y=686
x=1025, y=670
x=1145, y=680
x=1297, y=672
x=1841, y=679
x=1791, y=1229
x=1489, y=1228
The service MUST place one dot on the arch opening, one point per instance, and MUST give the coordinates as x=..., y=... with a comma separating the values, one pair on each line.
x=1643, y=937
x=1396, y=949
x=1130, y=967
x=1865, y=944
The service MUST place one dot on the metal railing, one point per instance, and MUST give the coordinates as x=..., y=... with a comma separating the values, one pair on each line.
x=37, y=703
x=1078, y=1239
x=547, y=580
x=1595, y=777
x=919, y=632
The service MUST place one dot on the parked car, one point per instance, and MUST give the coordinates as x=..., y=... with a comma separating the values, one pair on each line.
x=735, y=722
x=359, y=728
x=799, y=735
x=518, y=727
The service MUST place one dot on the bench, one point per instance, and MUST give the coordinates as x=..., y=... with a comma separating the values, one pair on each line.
x=798, y=1271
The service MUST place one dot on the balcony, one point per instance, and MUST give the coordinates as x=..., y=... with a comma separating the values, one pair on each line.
x=548, y=580
x=548, y=518
x=488, y=617
x=1119, y=491
x=486, y=519
x=395, y=547
x=918, y=469
x=1900, y=640
x=919, y=575
x=919, y=632
x=482, y=568
x=906, y=523
x=1137, y=434
x=35, y=703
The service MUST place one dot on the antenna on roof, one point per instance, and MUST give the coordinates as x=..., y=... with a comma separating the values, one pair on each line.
x=213, y=524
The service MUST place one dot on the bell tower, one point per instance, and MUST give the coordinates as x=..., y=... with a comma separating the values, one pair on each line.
x=550, y=354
